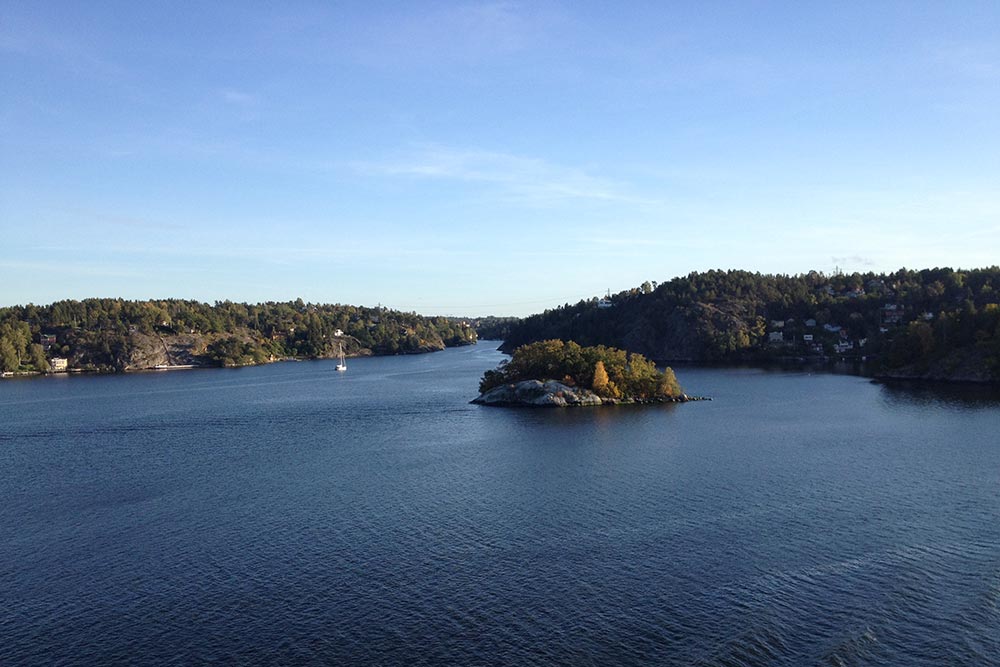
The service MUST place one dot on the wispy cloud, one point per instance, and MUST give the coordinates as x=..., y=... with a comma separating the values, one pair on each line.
x=625, y=242
x=238, y=97
x=971, y=60
x=526, y=179
x=79, y=52
x=437, y=38
x=70, y=268
x=207, y=247
x=461, y=33
x=854, y=261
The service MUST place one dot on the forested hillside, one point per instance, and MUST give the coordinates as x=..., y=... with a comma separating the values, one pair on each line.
x=114, y=334
x=935, y=323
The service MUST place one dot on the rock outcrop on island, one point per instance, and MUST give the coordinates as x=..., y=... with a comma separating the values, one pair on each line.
x=553, y=394
x=539, y=394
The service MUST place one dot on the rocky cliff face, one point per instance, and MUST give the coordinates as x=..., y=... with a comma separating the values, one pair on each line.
x=553, y=394
x=149, y=351
x=139, y=351
x=538, y=394
x=143, y=351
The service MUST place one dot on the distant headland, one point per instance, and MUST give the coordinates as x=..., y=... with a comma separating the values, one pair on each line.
x=936, y=324
x=115, y=335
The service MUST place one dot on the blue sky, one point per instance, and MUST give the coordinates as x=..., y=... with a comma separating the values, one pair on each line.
x=477, y=158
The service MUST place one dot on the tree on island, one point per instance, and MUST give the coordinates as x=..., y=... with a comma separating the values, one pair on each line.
x=601, y=381
x=607, y=371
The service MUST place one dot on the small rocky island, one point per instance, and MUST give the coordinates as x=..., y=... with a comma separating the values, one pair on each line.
x=553, y=373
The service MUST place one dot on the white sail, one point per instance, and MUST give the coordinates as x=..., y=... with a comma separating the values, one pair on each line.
x=342, y=366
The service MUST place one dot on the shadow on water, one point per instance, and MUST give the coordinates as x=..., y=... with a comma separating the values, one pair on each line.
x=804, y=366
x=951, y=396
x=898, y=392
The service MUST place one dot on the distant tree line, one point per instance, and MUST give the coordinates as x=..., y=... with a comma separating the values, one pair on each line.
x=99, y=329
x=492, y=327
x=904, y=318
x=608, y=372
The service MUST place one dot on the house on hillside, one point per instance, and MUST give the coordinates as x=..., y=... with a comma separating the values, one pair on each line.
x=891, y=313
x=59, y=365
x=876, y=285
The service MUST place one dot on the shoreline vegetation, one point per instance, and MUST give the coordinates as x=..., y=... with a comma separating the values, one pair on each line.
x=553, y=373
x=934, y=325
x=115, y=335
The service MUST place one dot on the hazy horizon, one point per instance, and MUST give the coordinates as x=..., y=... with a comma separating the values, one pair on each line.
x=475, y=315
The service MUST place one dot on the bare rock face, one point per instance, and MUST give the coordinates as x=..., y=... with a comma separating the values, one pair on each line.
x=145, y=351
x=536, y=393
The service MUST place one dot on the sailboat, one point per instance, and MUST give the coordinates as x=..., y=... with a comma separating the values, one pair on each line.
x=342, y=366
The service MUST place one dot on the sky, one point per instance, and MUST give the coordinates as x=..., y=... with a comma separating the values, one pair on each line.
x=487, y=157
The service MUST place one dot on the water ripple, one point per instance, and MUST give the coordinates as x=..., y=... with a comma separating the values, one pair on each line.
x=287, y=515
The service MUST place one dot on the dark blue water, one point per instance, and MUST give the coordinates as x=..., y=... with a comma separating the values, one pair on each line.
x=288, y=514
